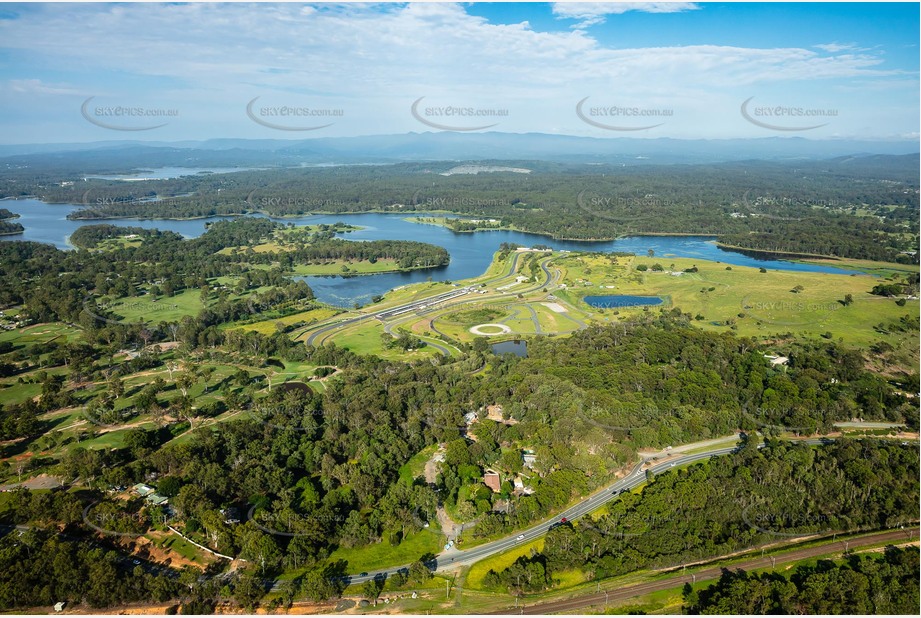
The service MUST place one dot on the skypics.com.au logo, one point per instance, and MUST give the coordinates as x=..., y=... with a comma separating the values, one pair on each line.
x=627, y=117
x=125, y=118
x=291, y=117
x=782, y=117
x=455, y=117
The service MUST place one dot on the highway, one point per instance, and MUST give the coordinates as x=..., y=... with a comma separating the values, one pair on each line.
x=429, y=304
x=322, y=331
x=637, y=476
x=454, y=557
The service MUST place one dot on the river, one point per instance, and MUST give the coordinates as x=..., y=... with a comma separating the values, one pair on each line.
x=470, y=253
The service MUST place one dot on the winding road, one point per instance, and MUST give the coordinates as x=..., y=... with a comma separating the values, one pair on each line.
x=454, y=557
x=420, y=307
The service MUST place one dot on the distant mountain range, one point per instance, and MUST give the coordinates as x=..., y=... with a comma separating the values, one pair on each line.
x=441, y=147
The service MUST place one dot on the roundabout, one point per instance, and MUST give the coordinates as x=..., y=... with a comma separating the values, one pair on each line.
x=490, y=330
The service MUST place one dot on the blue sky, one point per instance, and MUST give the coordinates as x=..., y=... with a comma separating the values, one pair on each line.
x=646, y=70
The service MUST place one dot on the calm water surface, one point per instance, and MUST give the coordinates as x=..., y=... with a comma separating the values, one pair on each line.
x=612, y=301
x=518, y=348
x=470, y=253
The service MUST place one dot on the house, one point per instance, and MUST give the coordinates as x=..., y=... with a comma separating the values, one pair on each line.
x=521, y=487
x=230, y=515
x=501, y=506
x=59, y=606
x=143, y=490
x=777, y=360
x=492, y=480
x=156, y=499
x=529, y=459
x=470, y=418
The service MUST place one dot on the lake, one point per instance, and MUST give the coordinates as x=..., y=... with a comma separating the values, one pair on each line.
x=471, y=253
x=518, y=348
x=162, y=173
x=612, y=301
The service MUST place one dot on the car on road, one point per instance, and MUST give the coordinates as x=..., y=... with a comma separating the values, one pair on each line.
x=671, y=465
x=363, y=574
x=563, y=520
x=520, y=537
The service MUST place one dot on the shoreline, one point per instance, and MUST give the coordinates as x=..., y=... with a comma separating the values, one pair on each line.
x=782, y=254
x=412, y=217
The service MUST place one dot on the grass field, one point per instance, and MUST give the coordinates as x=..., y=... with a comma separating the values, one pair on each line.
x=366, y=338
x=340, y=267
x=747, y=301
x=382, y=555
x=498, y=562
x=268, y=327
x=161, y=309
x=415, y=467
x=39, y=333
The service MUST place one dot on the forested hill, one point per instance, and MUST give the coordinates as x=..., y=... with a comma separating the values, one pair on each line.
x=60, y=285
x=327, y=466
x=857, y=207
x=727, y=505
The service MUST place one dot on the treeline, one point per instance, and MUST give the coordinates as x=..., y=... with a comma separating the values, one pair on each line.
x=862, y=584
x=69, y=286
x=583, y=405
x=309, y=472
x=41, y=569
x=731, y=503
x=10, y=227
x=812, y=207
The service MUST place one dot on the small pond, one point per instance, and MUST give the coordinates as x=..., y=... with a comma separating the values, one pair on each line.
x=518, y=348
x=614, y=301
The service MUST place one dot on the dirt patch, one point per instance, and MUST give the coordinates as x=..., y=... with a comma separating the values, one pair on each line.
x=42, y=481
x=555, y=307
x=145, y=548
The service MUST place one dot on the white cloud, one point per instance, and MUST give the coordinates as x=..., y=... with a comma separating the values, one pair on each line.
x=373, y=62
x=591, y=13
x=835, y=48
x=36, y=86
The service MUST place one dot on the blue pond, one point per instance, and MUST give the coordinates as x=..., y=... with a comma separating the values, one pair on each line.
x=614, y=301
x=518, y=348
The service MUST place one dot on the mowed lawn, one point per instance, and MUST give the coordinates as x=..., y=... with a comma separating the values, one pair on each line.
x=269, y=327
x=40, y=333
x=382, y=555
x=335, y=267
x=499, y=562
x=366, y=338
x=757, y=303
x=160, y=309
